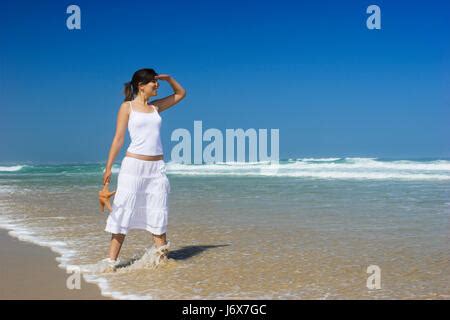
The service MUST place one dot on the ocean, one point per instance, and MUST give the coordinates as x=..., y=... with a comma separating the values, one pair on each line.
x=308, y=228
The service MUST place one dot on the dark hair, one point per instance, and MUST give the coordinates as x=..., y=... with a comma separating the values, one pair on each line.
x=142, y=76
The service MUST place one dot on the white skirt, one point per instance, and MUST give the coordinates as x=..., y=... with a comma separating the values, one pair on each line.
x=141, y=198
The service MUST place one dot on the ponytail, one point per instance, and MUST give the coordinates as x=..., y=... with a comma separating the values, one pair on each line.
x=128, y=91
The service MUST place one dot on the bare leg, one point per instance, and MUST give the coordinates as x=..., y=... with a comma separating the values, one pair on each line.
x=116, y=244
x=159, y=241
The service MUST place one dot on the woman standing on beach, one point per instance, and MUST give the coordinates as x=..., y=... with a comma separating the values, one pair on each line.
x=141, y=198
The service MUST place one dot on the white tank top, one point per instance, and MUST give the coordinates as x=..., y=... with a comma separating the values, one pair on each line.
x=144, y=129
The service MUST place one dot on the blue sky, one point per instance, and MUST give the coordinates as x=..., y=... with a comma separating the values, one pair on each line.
x=309, y=68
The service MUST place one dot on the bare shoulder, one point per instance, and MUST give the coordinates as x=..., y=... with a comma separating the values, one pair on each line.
x=125, y=108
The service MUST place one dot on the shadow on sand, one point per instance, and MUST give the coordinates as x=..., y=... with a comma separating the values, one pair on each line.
x=190, y=251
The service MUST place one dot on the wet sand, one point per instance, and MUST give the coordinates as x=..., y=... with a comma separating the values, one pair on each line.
x=30, y=272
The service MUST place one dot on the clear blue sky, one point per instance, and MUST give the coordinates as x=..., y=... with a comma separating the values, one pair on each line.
x=310, y=68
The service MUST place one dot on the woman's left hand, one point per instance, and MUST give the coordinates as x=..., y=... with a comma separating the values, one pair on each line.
x=103, y=197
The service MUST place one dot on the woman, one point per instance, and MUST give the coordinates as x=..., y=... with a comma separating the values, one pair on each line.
x=141, y=197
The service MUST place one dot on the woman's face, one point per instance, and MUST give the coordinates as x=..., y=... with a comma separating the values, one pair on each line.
x=150, y=89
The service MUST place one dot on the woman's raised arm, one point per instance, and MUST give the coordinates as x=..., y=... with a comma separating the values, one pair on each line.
x=179, y=93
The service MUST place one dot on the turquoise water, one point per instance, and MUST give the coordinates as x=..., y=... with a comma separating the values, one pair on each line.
x=302, y=229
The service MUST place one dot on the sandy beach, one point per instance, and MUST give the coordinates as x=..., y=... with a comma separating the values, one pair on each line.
x=30, y=272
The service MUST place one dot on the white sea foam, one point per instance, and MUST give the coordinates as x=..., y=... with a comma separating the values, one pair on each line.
x=324, y=168
x=115, y=168
x=106, y=290
x=7, y=189
x=11, y=168
x=28, y=235
x=318, y=159
x=321, y=168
